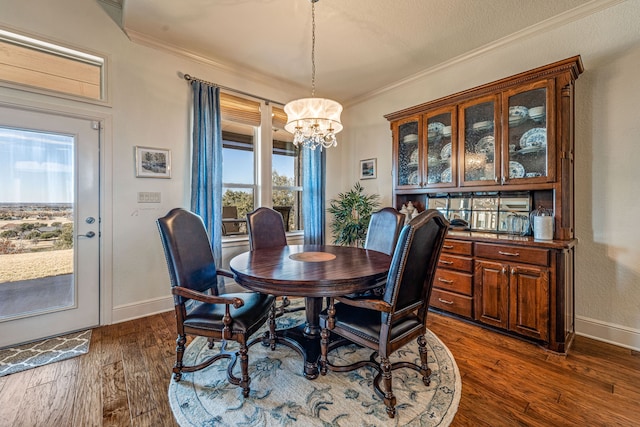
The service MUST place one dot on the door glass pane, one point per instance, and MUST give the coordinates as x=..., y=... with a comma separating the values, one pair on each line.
x=36, y=222
x=286, y=173
x=408, y=154
x=528, y=134
x=439, y=149
x=479, y=144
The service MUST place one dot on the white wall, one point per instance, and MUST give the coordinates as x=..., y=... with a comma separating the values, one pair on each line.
x=607, y=150
x=150, y=107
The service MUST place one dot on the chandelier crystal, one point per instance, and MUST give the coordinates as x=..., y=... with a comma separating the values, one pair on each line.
x=314, y=122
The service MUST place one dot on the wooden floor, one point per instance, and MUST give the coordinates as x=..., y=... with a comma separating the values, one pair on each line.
x=123, y=381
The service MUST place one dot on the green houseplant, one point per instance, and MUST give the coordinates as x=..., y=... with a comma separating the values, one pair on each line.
x=351, y=213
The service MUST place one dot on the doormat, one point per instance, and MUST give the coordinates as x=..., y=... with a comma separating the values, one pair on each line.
x=39, y=353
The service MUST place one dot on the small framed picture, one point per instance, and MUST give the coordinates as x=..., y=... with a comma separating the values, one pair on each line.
x=153, y=162
x=368, y=169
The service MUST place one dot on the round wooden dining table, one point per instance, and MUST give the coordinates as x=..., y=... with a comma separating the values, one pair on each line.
x=313, y=272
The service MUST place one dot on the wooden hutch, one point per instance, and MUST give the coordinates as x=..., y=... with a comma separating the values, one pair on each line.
x=476, y=154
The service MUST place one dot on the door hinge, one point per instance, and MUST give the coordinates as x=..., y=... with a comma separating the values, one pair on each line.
x=95, y=125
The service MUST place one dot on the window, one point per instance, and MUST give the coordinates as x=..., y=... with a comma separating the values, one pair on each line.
x=250, y=179
x=33, y=63
x=286, y=173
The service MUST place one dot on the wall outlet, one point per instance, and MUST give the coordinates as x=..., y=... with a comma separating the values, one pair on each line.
x=149, y=197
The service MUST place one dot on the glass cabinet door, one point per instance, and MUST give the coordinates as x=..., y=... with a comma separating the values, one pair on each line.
x=441, y=149
x=481, y=153
x=408, y=172
x=527, y=134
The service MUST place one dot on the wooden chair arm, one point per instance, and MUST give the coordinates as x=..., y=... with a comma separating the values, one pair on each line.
x=370, y=303
x=211, y=299
x=225, y=273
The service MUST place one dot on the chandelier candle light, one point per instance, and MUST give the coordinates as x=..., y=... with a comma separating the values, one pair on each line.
x=314, y=122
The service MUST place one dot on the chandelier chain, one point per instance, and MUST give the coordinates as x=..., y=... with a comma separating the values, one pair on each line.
x=313, y=49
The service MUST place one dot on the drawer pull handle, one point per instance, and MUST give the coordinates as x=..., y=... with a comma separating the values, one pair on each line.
x=446, y=262
x=509, y=253
x=440, y=279
x=447, y=246
x=444, y=301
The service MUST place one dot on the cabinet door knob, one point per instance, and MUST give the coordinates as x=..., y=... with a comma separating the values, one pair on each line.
x=513, y=271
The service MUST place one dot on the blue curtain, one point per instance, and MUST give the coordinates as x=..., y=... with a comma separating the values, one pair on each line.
x=206, y=165
x=313, y=204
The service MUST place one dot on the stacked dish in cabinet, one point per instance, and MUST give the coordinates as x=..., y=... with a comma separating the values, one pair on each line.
x=453, y=284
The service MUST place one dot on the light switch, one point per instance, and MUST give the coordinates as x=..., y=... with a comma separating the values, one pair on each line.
x=149, y=197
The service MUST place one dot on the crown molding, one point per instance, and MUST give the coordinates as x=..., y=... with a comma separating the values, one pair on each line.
x=557, y=21
x=231, y=68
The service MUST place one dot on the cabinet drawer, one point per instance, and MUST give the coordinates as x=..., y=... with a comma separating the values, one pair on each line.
x=453, y=281
x=513, y=253
x=455, y=262
x=453, y=303
x=457, y=247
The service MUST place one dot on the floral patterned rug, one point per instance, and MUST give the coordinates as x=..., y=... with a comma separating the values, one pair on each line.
x=281, y=396
x=32, y=355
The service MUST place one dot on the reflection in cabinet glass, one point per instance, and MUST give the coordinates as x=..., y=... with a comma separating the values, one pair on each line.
x=408, y=154
x=479, y=143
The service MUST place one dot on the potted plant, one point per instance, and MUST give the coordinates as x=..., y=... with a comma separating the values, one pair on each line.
x=351, y=213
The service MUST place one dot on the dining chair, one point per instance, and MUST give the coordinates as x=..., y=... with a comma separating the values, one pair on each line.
x=382, y=235
x=266, y=230
x=200, y=309
x=384, y=229
x=386, y=324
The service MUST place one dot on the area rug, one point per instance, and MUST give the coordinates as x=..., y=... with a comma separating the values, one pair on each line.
x=281, y=396
x=39, y=353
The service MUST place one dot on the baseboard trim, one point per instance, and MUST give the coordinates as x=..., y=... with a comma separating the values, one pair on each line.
x=608, y=332
x=125, y=312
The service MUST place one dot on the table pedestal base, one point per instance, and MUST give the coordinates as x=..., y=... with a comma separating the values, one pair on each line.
x=305, y=339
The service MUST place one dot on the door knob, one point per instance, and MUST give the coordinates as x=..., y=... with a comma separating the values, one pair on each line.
x=89, y=234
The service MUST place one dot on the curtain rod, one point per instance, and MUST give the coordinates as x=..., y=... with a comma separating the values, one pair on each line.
x=189, y=78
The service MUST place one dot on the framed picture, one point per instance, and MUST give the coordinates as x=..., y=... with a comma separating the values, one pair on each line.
x=368, y=169
x=153, y=162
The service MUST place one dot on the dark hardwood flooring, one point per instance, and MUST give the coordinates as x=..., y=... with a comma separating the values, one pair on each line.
x=123, y=381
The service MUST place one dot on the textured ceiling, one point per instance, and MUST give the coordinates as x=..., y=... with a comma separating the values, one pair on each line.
x=361, y=45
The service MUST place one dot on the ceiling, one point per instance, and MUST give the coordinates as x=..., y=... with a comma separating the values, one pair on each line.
x=362, y=46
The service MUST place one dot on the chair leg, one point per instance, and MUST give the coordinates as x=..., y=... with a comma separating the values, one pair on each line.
x=244, y=367
x=424, y=368
x=324, y=344
x=389, y=398
x=177, y=368
x=272, y=327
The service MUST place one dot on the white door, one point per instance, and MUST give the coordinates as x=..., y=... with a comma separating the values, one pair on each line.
x=49, y=225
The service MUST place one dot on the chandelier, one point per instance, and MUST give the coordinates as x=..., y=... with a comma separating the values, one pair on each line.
x=314, y=122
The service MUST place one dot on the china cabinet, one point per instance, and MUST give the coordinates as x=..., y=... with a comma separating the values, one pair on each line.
x=475, y=155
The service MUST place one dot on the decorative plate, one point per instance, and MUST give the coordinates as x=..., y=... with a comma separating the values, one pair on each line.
x=537, y=113
x=516, y=170
x=486, y=125
x=446, y=131
x=433, y=161
x=414, y=157
x=445, y=153
x=485, y=145
x=445, y=176
x=434, y=128
x=413, y=178
x=412, y=137
x=518, y=115
x=536, y=137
